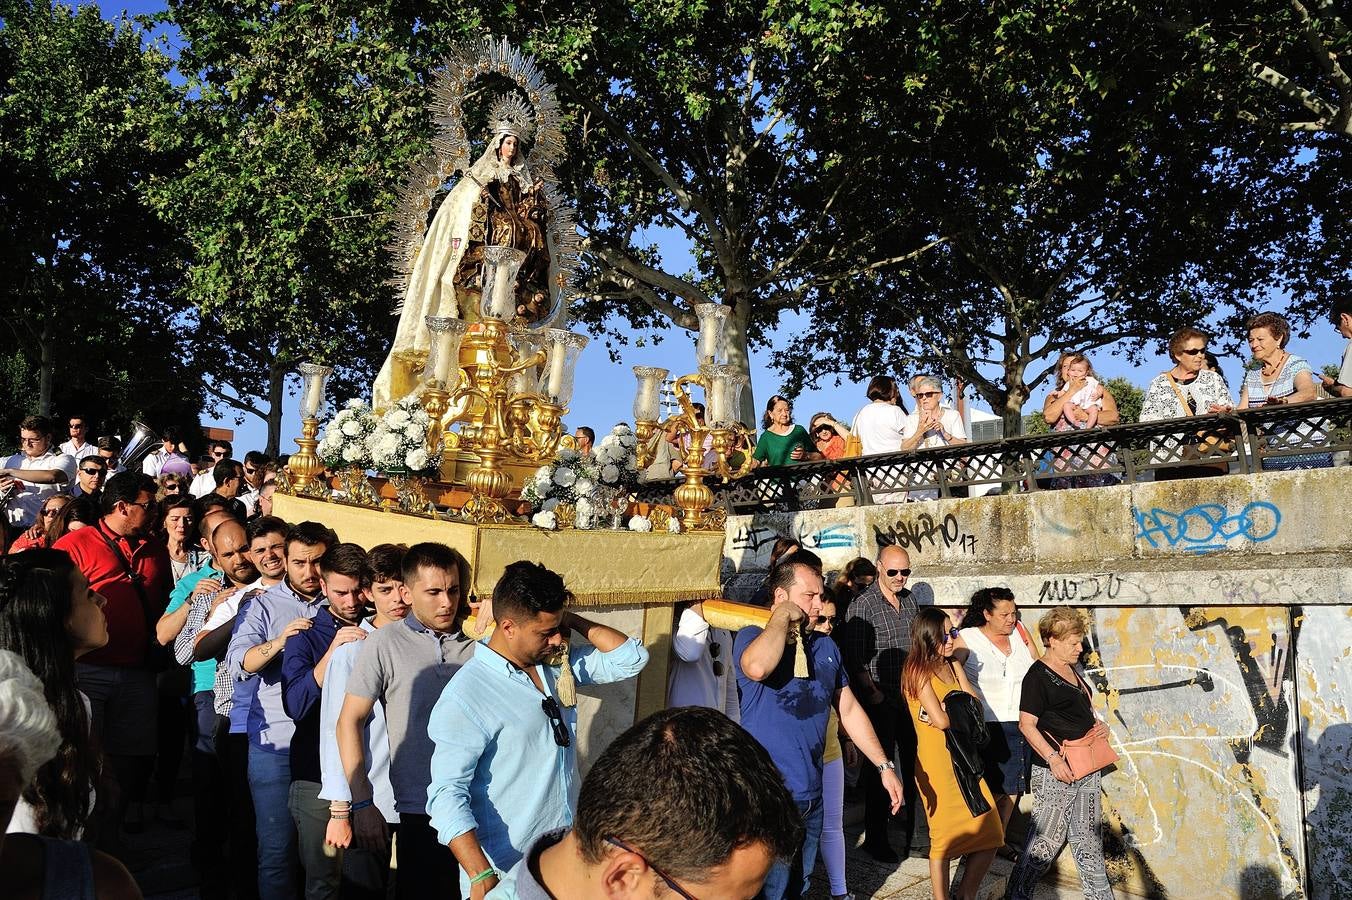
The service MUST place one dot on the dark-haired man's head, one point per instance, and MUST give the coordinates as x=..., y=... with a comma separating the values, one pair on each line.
x=169, y=438
x=110, y=448
x=267, y=547
x=255, y=467
x=228, y=476
x=387, y=581
x=128, y=503
x=528, y=605
x=91, y=472
x=684, y=801
x=220, y=450
x=346, y=574
x=306, y=544
x=797, y=581
x=230, y=548
x=435, y=577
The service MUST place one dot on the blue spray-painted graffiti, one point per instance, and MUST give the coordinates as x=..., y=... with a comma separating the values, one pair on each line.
x=831, y=537
x=1207, y=527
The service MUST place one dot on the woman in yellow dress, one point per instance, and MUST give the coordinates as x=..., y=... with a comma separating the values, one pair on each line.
x=928, y=676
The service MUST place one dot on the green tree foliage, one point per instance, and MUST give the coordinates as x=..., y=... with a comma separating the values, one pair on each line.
x=682, y=124
x=1084, y=201
x=298, y=122
x=87, y=300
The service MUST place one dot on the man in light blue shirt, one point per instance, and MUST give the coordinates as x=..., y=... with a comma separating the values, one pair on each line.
x=255, y=652
x=504, y=768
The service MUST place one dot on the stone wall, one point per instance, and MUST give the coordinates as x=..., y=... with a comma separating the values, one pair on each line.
x=1220, y=616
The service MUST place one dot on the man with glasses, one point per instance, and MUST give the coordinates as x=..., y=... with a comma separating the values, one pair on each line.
x=205, y=483
x=504, y=770
x=133, y=574
x=79, y=445
x=876, y=639
x=683, y=801
x=89, y=478
x=33, y=474
x=255, y=470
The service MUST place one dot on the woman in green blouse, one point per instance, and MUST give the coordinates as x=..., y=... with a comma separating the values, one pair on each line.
x=782, y=441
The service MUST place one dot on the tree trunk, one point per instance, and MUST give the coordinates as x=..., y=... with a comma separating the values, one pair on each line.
x=739, y=354
x=1015, y=395
x=276, y=405
x=46, y=370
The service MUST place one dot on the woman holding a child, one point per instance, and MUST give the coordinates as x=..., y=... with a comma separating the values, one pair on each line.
x=1079, y=401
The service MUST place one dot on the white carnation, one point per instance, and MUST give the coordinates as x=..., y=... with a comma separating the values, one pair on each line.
x=416, y=459
x=610, y=473
x=628, y=441
x=550, y=504
x=352, y=453
x=584, y=486
x=416, y=432
x=640, y=523
x=421, y=417
x=351, y=428
x=564, y=477
x=544, y=477
x=397, y=419
x=674, y=525
x=546, y=520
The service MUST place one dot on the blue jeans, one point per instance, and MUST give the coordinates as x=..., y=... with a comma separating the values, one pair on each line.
x=270, y=785
x=788, y=880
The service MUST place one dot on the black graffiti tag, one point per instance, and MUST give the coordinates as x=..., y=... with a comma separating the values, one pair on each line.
x=924, y=531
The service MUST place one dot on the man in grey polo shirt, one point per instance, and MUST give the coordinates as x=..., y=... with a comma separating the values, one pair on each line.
x=405, y=667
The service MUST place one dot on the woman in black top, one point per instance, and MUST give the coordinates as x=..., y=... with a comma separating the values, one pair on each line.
x=1054, y=707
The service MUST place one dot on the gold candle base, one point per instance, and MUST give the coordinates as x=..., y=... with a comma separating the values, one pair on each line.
x=305, y=464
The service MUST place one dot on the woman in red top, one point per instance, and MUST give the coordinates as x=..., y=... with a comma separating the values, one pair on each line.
x=36, y=536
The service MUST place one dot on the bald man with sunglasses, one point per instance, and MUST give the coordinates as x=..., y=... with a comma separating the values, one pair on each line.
x=876, y=639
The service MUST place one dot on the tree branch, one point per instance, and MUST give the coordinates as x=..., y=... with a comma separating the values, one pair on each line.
x=789, y=297
x=232, y=401
x=635, y=276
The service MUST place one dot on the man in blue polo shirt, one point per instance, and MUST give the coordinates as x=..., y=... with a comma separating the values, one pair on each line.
x=788, y=715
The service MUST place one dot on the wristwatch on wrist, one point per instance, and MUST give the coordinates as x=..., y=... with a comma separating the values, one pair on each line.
x=884, y=766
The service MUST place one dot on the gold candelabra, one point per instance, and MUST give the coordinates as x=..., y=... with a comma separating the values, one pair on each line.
x=711, y=431
x=305, y=465
x=506, y=387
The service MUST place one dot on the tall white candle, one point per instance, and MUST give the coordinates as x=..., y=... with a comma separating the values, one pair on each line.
x=313, y=396
x=556, y=358
x=443, y=351
x=715, y=395
x=504, y=303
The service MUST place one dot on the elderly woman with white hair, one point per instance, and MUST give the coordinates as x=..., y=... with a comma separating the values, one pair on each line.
x=36, y=867
x=931, y=425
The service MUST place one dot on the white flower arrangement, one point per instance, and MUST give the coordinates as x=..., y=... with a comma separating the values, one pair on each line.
x=568, y=479
x=617, y=459
x=640, y=523
x=399, y=439
x=345, y=443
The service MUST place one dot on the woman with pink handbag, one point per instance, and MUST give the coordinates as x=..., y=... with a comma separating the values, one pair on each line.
x=1070, y=747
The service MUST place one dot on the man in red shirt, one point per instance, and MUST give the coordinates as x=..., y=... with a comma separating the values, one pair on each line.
x=134, y=576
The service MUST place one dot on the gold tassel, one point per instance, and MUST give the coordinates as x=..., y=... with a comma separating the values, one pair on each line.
x=800, y=657
x=566, y=686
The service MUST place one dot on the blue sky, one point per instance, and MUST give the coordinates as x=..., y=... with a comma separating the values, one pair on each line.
x=604, y=392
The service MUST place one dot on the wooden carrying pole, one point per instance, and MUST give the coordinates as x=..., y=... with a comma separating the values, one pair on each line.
x=733, y=616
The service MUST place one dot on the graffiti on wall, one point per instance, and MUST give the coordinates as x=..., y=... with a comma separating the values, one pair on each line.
x=1207, y=527
x=1199, y=703
x=925, y=531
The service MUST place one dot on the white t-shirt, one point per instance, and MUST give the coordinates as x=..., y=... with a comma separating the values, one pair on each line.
x=949, y=420
x=22, y=510
x=997, y=679
x=86, y=449
x=202, y=484
x=879, y=427
x=229, y=606
x=1085, y=397
x=698, y=676
x=1345, y=372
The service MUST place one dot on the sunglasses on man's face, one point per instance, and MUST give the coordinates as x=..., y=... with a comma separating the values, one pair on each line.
x=893, y=573
x=95, y=470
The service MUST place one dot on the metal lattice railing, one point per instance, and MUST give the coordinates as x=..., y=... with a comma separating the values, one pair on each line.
x=1300, y=436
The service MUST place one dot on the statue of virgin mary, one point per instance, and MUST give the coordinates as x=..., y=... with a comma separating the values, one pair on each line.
x=498, y=201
